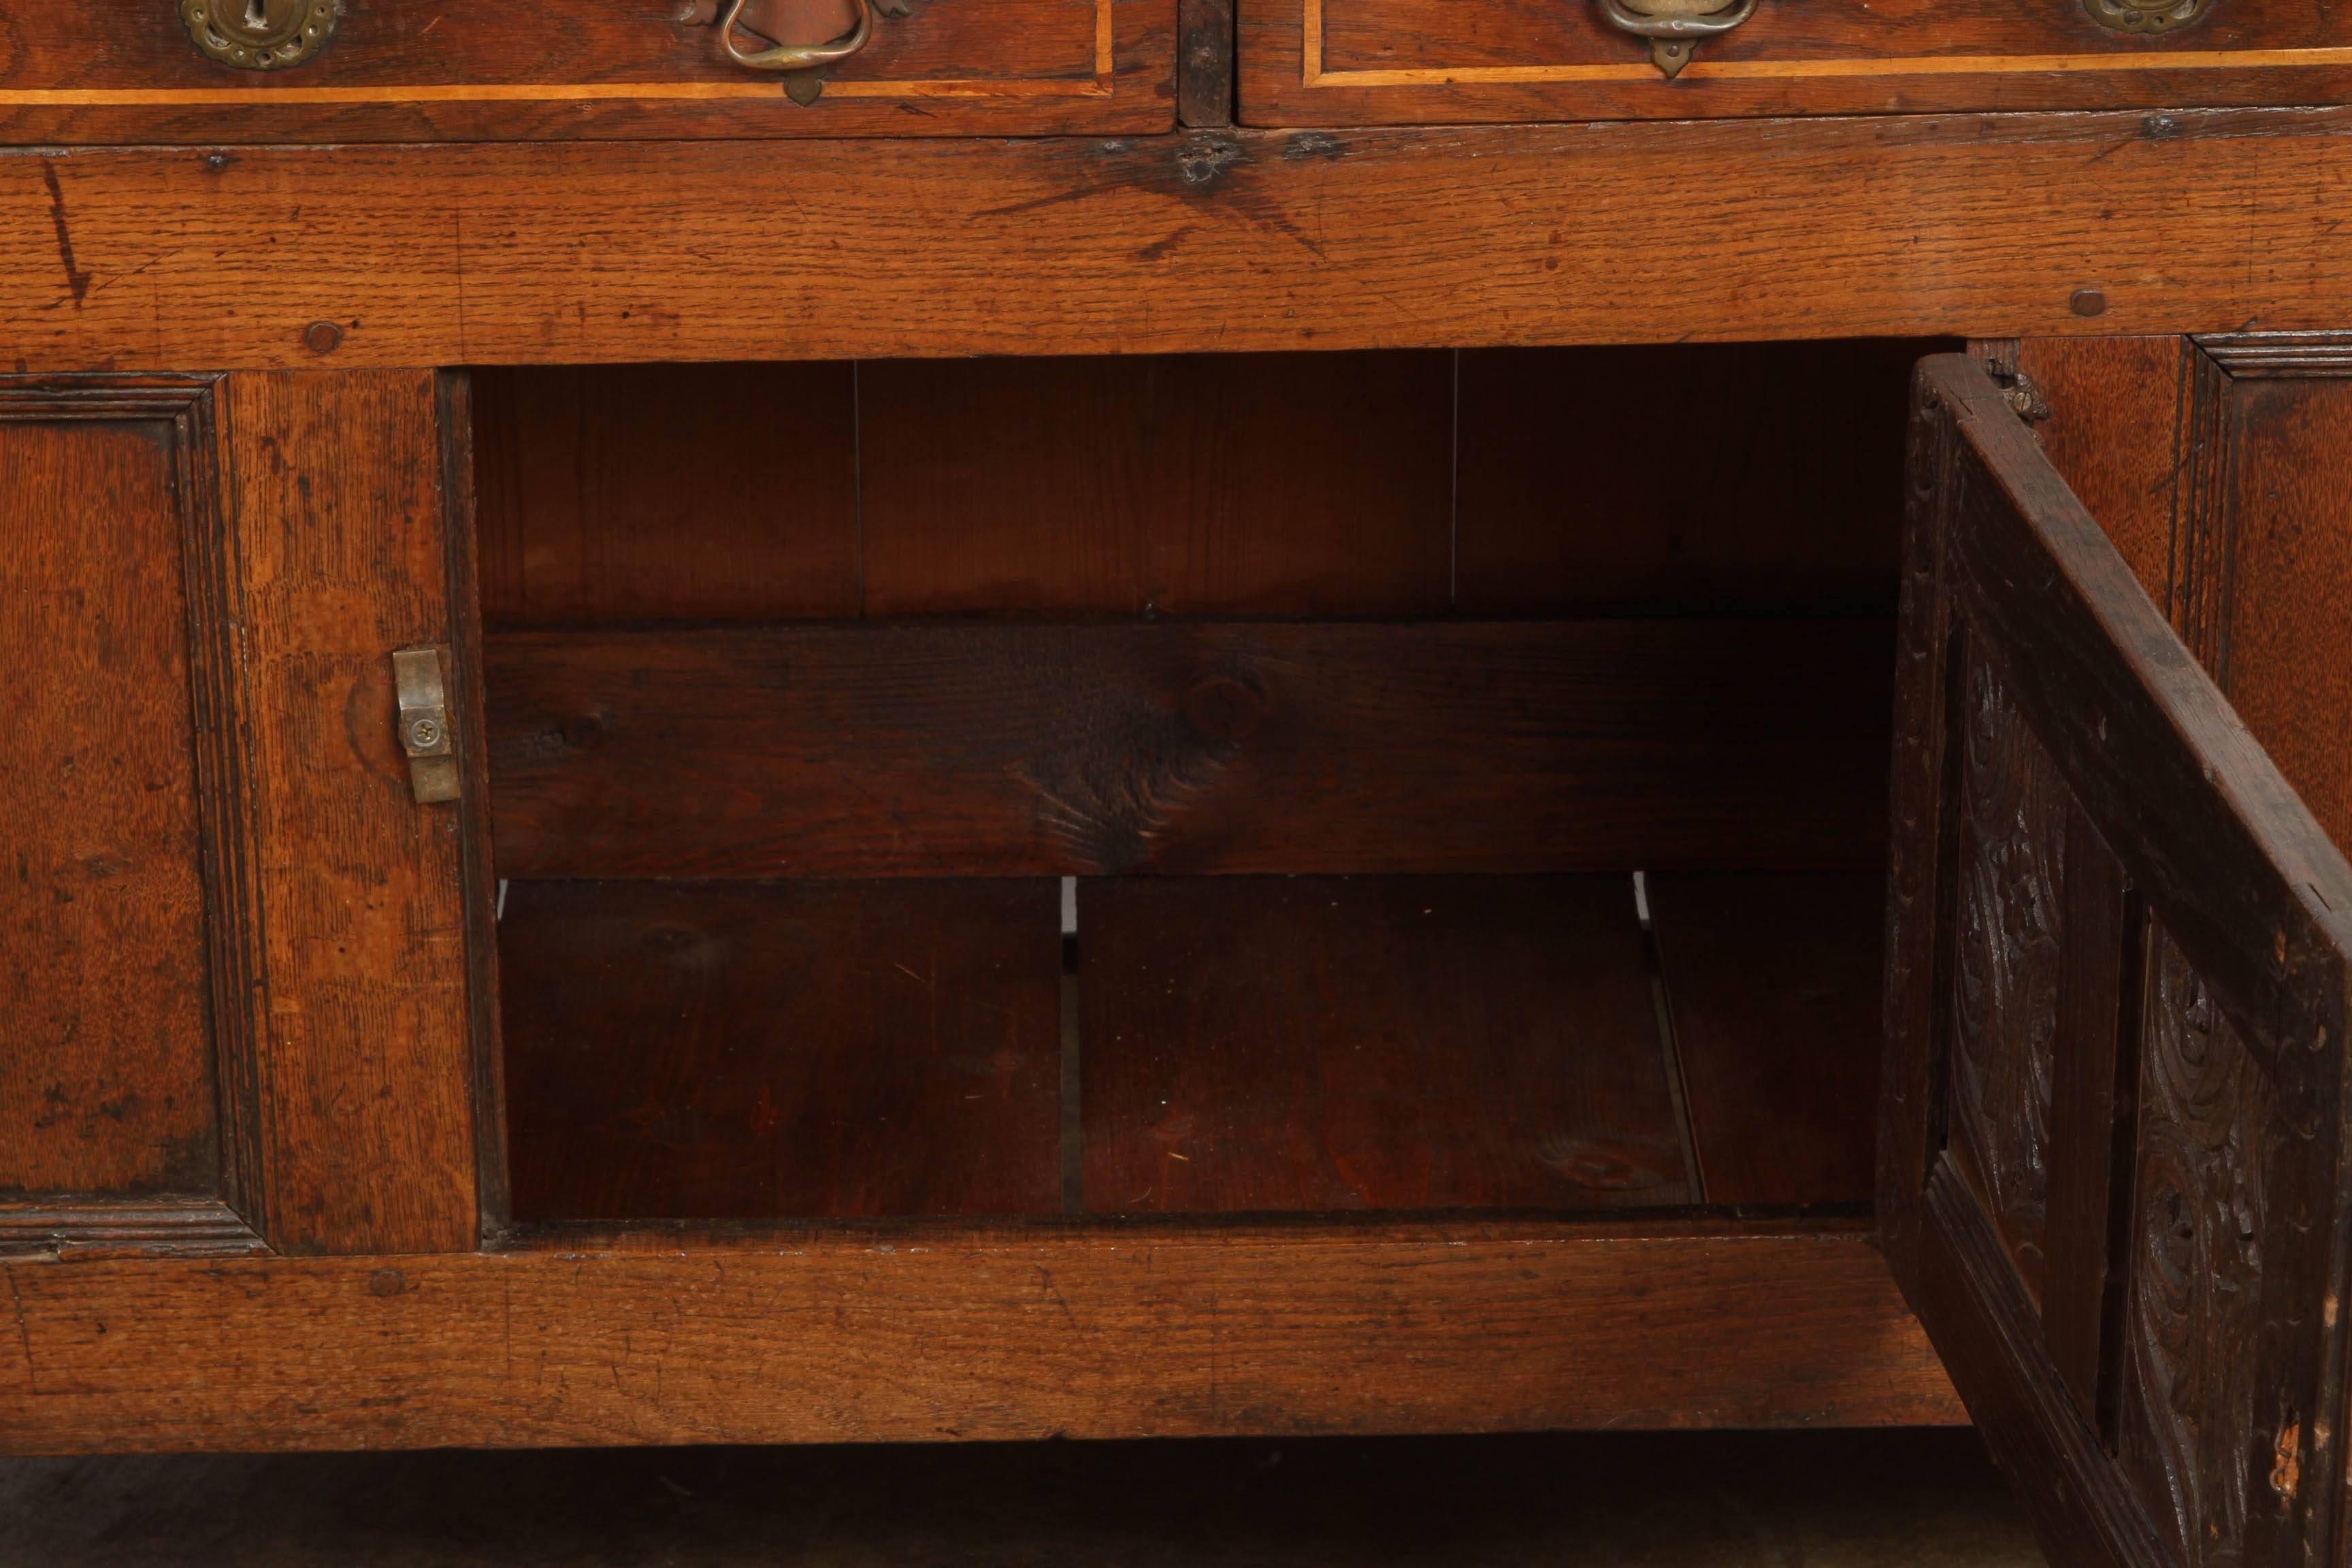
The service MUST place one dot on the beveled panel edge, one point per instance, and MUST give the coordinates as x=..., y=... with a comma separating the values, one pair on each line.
x=104, y=394
x=220, y=728
x=70, y=1227
x=2280, y=355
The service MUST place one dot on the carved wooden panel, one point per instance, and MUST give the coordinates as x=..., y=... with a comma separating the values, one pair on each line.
x=2196, y=1431
x=2175, y=1396
x=2008, y=950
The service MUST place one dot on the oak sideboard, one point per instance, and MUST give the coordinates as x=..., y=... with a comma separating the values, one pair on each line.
x=787, y=721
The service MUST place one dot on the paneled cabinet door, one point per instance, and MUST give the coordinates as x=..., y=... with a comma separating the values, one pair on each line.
x=2112, y=1174
x=231, y=940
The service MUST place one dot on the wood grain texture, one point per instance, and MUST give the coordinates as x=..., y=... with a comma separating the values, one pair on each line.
x=2113, y=432
x=366, y=1076
x=106, y=1082
x=1585, y=482
x=1396, y=62
x=1266, y=485
x=191, y=700
x=661, y=492
x=1094, y=1333
x=754, y=1050
x=1773, y=981
x=1381, y=1042
x=2258, y=901
x=1916, y=226
x=410, y=70
x=2273, y=528
x=1082, y=749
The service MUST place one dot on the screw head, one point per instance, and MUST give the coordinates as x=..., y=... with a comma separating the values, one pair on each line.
x=423, y=733
x=323, y=337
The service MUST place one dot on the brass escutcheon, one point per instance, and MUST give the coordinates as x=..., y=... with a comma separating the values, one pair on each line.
x=260, y=35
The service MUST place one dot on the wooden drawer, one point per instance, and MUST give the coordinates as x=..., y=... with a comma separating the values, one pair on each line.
x=1365, y=62
x=131, y=70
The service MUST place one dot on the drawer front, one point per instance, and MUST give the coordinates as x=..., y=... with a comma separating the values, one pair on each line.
x=1364, y=62
x=133, y=70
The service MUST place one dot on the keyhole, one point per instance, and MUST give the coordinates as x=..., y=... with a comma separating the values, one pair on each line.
x=256, y=15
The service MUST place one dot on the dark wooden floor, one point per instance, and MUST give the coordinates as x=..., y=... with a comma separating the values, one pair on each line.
x=1830, y=1500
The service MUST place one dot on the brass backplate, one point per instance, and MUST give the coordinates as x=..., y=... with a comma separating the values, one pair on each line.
x=260, y=35
x=2147, y=16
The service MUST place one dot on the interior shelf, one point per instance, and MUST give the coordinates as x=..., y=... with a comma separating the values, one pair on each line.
x=904, y=1047
x=1399, y=783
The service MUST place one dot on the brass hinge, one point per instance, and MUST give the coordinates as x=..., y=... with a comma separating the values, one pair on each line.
x=425, y=733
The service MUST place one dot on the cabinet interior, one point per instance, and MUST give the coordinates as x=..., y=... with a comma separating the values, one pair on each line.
x=1395, y=782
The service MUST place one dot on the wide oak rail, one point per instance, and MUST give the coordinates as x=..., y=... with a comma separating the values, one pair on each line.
x=949, y=1333
x=483, y=254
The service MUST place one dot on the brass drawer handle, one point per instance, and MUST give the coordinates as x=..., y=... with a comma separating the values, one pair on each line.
x=795, y=57
x=260, y=35
x=1674, y=27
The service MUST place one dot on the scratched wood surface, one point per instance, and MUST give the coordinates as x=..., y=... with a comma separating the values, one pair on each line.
x=107, y=1073
x=2114, y=431
x=366, y=1072
x=952, y=1333
x=400, y=70
x=1909, y=225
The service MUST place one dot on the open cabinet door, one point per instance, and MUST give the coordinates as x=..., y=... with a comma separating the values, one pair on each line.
x=2111, y=1173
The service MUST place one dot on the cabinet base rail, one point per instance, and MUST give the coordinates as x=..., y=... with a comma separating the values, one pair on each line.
x=1087, y=1332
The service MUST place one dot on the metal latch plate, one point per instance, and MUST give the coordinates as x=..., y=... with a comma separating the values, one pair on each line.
x=425, y=734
